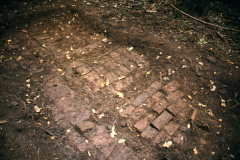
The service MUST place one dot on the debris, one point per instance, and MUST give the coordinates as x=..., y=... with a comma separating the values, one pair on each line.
x=3, y=121
x=59, y=70
x=194, y=115
x=121, y=140
x=122, y=77
x=130, y=48
x=104, y=40
x=190, y=97
x=213, y=88
x=189, y=126
x=168, y=57
x=179, y=47
x=68, y=57
x=166, y=78
x=68, y=131
x=37, y=109
x=147, y=73
x=101, y=115
x=194, y=92
x=121, y=95
x=195, y=151
x=121, y=110
x=113, y=133
x=209, y=112
x=201, y=105
x=200, y=63
x=167, y=144
x=94, y=111
x=184, y=66
x=89, y=154
x=211, y=59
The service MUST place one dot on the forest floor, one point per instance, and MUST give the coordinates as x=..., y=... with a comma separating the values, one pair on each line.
x=118, y=80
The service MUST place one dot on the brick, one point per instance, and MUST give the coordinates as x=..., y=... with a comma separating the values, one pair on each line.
x=155, y=86
x=157, y=96
x=128, y=80
x=149, y=133
x=138, y=59
x=171, y=87
x=141, y=98
x=114, y=55
x=174, y=96
x=111, y=65
x=80, y=117
x=162, y=120
x=119, y=85
x=137, y=113
x=105, y=59
x=91, y=76
x=83, y=69
x=160, y=106
x=121, y=59
x=111, y=77
x=161, y=137
x=99, y=82
x=109, y=90
x=101, y=70
x=122, y=71
x=171, y=128
x=141, y=124
x=126, y=112
x=85, y=125
x=131, y=66
x=177, y=106
x=80, y=143
x=179, y=139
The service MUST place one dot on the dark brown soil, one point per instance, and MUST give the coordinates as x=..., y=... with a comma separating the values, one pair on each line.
x=202, y=57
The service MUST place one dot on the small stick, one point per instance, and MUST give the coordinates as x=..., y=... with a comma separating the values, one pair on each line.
x=204, y=21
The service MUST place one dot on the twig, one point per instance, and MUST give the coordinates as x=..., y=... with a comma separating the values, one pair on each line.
x=204, y=21
x=18, y=97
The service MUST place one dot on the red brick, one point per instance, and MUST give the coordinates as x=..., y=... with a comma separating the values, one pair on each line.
x=157, y=96
x=126, y=112
x=177, y=106
x=149, y=133
x=160, y=106
x=162, y=120
x=161, y=137
x=91, y=76
x=111, y=65
x=114, y=55
x=119, y=85
x=101, y=70
x=83, y=69
x=85, y=125
x=128, y=80
x=141, y=124
x=99, y=82
x=141, y=98
x=171, y=87
x=111, y=77
x=171, y=128
x=153, y=88
x=122, y=71
x=174, y=96
x=137, y=113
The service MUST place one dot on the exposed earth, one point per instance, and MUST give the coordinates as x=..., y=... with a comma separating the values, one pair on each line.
x=118, y=80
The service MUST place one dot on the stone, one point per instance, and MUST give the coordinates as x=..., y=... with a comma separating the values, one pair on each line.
x=141, y=124
x=126, y=112
x=177, y=106
x=149, y=133
x=174, y=96
x=171, y=87
x=162, y=120
x=85, y=125
x=141, y=98
x=211, y=59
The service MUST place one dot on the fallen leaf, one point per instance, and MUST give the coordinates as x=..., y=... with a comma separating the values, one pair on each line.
x=210, y=113
x=107, y=82
x=59, y=70
x=188, y=126
x=121, y=77
x=89, y=154
x=223, y=104
x=101, y=115
x=179, y=47
x=94, y=111
x=28, y=85
x=190, y=97
x=71, y=48
x=184, y=66
x=121, y=110
x=62, y=98
x=68, y=131
x=201, y=105
x=121, y=140
x=3, y=121
x=19, y=58
x=28, y=80
x=53, y=137
x=113, y=133
x=121, y=95
x=68, y=57
x=213, y=88
x=37, y=109
x=195, y=151
x=9, y=40
x=147, y=73
x=168, y=57
x=167, y=144
x=130, y=48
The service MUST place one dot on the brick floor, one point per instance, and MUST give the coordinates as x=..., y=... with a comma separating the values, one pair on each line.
x=177, y=106
x=174, y=96
x=140, y=99
x=162, y=120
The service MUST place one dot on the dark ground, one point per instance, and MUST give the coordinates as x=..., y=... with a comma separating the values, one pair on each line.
x=202, y=58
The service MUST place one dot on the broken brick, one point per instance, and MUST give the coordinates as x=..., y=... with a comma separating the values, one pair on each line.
x=162, y=120
x=171, y=87
x=85, y=125
x=149, y=133
x=177, y=106
x=126, y=112
x=141, y=98
x=141, y=124
x=174, y=96
x=171, y=128
x=160, y=106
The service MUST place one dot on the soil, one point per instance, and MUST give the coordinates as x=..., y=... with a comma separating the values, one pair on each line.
x=44, y=45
